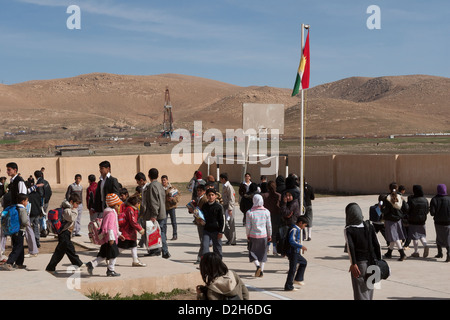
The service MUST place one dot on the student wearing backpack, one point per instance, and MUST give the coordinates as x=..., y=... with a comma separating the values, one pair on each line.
x=65, y=245
x=110, y=228
x=16, y=257
x=297, y=263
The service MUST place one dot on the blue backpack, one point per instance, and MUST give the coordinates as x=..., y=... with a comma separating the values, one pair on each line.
x=10, y=220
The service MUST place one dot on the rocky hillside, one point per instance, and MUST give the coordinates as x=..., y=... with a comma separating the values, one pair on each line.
x=88, y=105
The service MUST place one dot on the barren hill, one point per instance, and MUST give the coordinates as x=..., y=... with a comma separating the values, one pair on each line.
x=89, y=105
x=376, y=106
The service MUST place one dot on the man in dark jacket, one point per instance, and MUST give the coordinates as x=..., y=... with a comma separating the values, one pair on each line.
x=107, y=184
x=214, y=223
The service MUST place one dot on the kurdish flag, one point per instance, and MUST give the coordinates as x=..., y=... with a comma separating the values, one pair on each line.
x=303, y=70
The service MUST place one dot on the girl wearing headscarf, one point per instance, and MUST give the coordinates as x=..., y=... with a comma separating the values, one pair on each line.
x=357, y=242
x=259, y=231
x=440, y=210
x=417, y=215
x=394, y=209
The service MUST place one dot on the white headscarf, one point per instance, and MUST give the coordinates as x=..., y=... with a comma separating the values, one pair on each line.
x=258, y=201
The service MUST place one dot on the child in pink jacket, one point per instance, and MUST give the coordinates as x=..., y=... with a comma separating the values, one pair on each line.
x=110, y=228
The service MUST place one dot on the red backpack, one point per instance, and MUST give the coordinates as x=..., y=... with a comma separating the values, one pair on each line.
x=55, y=217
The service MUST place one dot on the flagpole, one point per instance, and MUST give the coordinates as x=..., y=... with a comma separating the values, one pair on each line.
x=302, y=146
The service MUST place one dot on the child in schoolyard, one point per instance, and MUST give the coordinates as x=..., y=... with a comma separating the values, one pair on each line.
x=76, y=188
x=297, y=263
x=65, y=245
x=362, y=244
x=172, y=199
x=220, y=282
x=110, y=229
x=214, y=223
x=16, y=257
x=90, y=193
x=129, y=226
x=258, y=228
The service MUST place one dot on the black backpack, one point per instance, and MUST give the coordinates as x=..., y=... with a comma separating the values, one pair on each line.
x=375, y=213
x=283, y=245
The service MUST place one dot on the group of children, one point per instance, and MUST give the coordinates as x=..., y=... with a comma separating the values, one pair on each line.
x=119, y=228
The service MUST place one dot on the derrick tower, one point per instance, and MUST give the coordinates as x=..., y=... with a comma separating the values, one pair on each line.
x=168, y=117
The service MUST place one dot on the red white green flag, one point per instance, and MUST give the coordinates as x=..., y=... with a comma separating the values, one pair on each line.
x=303, y=70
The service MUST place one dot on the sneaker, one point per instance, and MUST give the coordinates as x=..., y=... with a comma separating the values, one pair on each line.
x=90, y=268
x=166, y=255
x=293, y=289
x=426, y=251
x=300, y=283
x=415, y=255
x=8, y=267
x=110, y=273
x=22, y=266
x=174, y=238
x=30, y=255
x=138, y=264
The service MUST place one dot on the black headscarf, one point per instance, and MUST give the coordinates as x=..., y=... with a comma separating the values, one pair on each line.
x=417, y=190
x=353, y=214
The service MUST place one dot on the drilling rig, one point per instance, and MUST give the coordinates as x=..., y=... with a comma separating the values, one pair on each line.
x=168, y=118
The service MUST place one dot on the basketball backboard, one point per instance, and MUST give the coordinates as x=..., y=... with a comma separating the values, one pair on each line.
x=258, y=116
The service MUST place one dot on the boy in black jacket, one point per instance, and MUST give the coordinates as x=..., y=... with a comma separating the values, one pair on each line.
x=214, y=223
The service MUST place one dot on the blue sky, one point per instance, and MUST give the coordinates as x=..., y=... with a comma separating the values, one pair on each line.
x=245, y=42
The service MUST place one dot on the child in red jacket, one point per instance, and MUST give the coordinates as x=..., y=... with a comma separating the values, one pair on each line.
x=129, y=227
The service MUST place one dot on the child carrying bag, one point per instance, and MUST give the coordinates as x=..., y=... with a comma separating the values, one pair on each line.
x=382, y=265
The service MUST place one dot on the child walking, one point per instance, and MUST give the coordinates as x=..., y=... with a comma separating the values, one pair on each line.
x=129, y=227
x=65, y=245
x=297, y=263
x=16, y=257
x=110, y=229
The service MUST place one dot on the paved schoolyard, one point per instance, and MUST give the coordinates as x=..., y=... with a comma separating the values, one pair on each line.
x=327, y=276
